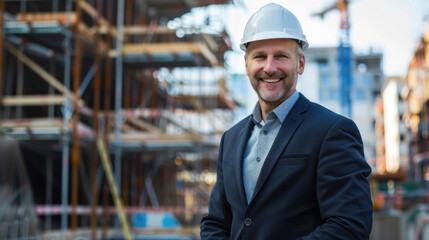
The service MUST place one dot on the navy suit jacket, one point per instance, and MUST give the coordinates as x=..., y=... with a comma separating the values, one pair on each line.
x=313, y=184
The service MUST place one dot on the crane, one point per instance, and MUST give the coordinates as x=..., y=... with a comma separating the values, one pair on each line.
x=344, y=54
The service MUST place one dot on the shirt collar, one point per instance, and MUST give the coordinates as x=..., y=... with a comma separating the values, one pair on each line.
x=280, y=111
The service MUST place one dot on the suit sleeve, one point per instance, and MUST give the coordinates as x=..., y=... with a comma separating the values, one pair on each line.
x=217, y=224
x=342, y=187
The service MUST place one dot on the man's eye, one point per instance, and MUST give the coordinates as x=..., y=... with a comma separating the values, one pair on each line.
x=259, y=57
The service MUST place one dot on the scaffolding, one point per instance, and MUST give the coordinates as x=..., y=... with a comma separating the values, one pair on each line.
x=77, y=71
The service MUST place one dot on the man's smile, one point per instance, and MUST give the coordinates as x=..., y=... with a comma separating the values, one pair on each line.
x=272, y=80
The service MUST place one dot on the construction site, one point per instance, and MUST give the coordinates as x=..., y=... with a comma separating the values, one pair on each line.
x=111, y=115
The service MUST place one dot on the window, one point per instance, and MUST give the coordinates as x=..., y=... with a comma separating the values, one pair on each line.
x=360, y=95
x=328, y=94
x=325, y=80
x=365, y=80
x=322, y=64
x=333, y=94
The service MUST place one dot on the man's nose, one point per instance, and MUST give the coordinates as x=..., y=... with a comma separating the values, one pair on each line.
x=270, y=65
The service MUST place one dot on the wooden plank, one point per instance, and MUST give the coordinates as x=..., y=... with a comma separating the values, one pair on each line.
x=141, y=124
x=105, y=25
x=205, y=51
x=210, y=42
x=109, y=28
x=32, y=123
x=51, y=16
x=170, y=119
x=154, y=48
x=88, y=9
x=61, y=17
x=114, y=189
x=85, y=31
x=140, y=30
x=34, y=100
x=89, y=34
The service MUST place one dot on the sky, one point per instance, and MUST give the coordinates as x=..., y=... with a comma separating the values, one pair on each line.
x=391, y=27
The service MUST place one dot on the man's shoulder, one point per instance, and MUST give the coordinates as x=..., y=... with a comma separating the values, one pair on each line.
x=305, y=104
x=324, y=115
x=324, y=111
x=240, y=125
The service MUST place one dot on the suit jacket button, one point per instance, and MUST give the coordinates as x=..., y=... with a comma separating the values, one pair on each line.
x=248, y=222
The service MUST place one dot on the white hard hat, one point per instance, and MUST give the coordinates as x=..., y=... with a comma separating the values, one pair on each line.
x=270, y=22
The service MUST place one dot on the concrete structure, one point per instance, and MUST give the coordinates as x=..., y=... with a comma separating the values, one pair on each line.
x=416, y=115
x=392, y=145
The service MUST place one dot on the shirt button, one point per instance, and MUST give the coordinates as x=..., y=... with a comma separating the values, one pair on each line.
x=258, y=159
x=265, y=132
x=248, y=222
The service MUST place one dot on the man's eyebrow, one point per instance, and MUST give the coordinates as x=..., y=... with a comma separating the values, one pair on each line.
x=257, y=52
x=282, y=52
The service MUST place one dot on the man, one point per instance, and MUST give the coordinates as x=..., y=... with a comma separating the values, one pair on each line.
x=293, y=169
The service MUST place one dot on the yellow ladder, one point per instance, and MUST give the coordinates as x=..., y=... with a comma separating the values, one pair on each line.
x=118, y=201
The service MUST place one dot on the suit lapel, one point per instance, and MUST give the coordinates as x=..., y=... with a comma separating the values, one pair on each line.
x=243, y=137
x=288, y=128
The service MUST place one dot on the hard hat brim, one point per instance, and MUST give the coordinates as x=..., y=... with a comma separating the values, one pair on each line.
x=273, y=35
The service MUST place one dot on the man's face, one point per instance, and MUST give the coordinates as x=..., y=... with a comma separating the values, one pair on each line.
x=273, y=67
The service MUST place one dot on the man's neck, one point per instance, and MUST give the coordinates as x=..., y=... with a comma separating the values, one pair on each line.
x=267, y=107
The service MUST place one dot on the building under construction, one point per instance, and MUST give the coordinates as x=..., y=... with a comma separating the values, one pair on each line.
x=111, y=113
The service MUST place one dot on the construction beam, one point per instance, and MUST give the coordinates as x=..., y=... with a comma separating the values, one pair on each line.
x=153, y=48
x=42, y=73
x=105, y=26
x=32, y=123
x=141, y=124
x=211, y=43
x=197, y=104
x=174, y=48
x=126, y=229
x=61, y=17
x=205, y=51
x=141, y=30
x=34, y=100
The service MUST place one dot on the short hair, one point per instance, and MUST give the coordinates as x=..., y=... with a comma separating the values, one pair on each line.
x=299, y=51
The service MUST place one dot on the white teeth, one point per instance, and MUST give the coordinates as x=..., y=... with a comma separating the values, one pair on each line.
x=271, y=80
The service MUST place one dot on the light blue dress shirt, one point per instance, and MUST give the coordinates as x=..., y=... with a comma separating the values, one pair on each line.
x=261, y=140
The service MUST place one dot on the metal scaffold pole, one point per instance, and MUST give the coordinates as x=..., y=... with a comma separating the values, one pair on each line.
x=75, y=153
x=67, y=111
x=2, y=10
x=95, y=163
x=118, y=92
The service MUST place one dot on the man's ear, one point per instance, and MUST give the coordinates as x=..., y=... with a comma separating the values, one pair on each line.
x=301, y=64
x=245, y=64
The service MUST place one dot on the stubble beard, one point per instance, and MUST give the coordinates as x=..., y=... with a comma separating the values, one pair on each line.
x=279, y=92
x=267, y=95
